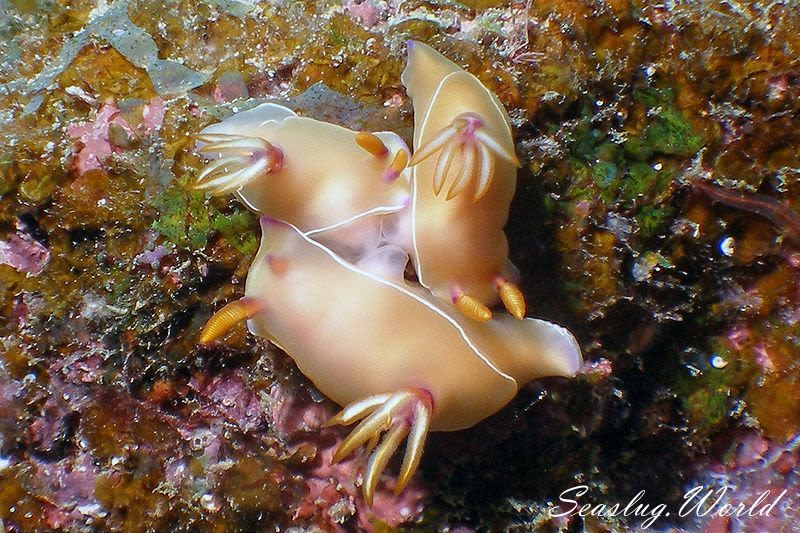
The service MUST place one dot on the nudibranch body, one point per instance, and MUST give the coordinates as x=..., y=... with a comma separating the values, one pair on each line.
x=320, y=177
x=400, y=360
x=463, y=179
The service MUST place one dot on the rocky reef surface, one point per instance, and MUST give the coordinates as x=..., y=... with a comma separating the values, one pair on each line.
x=656, y=217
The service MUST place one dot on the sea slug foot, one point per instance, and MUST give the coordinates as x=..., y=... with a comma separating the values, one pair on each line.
x=237, y=161
x=400, y=415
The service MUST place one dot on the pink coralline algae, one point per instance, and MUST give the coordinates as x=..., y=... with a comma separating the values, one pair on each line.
x=96, y=146
x=153, y=115
x=737, y=336
x=230, y=86
x=69, y=486
x=331, y=497
x=49, y=428
x=94, y=137
x=333, y=494
x=23, y=253
x=292, y=415
x=600, y=369
x=763, y=359
x=364, y=11
x=152, y=257
x=760, y=477
x=229, y=396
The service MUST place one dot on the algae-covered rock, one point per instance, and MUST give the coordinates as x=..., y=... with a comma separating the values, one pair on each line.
x=655, y=216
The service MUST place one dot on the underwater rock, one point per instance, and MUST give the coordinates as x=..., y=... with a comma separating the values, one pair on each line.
x=22, y=252
x=614, y=106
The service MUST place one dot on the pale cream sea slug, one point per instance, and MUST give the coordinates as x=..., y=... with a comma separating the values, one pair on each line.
x=462, y=145
x=401, y=361
x=320, y=177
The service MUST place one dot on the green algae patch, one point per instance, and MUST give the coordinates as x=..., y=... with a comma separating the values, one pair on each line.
x=667, y=132
x=651, y=218
x=183, y=218
x=709, y=397
x=239, y=228
x=633, y=170
x=188, y=220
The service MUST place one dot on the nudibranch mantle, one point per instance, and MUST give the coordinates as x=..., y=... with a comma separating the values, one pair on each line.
x=312, y=174
x=386, y=349
x=459, y=119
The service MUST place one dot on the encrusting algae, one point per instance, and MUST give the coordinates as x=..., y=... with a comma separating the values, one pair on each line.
x=112, y=417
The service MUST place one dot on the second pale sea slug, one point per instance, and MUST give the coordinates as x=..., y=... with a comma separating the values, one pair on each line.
x=463, y=179
x=320, y=177
x=401, y=361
